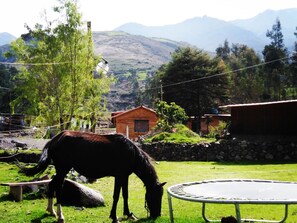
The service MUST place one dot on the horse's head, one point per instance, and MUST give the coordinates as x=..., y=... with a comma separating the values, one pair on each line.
x=153, y=199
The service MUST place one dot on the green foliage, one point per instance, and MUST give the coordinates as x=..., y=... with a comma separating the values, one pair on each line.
x=276, y=75
x=188, y=81
x=7, y=87
x=60, y=83
x=292, y=91
x=179, y=134
x=169, y=115
x=217, y=131
x=237, y=58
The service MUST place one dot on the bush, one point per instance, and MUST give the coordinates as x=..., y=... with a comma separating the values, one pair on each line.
x=178, y=134
x=218, y=131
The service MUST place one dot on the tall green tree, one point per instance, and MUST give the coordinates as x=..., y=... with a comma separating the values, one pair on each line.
x=58, y=80
x=293, y=70
x=7, y=87
x=194, y=81
x=275, y=69
x=246, y=79
x=223, y=51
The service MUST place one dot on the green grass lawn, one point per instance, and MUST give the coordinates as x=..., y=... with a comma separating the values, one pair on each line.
x=33, y=210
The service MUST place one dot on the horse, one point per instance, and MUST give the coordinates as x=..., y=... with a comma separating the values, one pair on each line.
x=96, y=156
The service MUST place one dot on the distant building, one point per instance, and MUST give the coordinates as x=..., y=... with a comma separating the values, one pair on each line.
x=271, y=118
x=134, y=122
x=212, y=120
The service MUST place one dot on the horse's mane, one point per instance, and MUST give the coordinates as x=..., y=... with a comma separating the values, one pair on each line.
x=143, y=165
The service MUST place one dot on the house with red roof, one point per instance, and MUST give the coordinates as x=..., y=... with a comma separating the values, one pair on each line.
x=135, y=122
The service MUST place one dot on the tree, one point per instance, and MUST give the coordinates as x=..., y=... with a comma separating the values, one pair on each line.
x=58, y=79
x=170, y=115
x=293, y=70
x=194, y=81
x=246, y=79
x=275, y=57
x=7, y=87
x=224, y=51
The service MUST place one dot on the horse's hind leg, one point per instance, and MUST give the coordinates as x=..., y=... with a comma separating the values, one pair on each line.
x=59, y=185
x=50, y=204
x=56, y=186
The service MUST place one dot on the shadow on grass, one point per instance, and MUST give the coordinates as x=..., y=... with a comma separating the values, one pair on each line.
x=145, y=220
x=139, y=220
x=5, y=197
x=43, y=216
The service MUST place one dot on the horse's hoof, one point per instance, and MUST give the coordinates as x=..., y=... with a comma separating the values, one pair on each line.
x=52, y=213
x=132, y=217
x=61, y=221
x=115, y=220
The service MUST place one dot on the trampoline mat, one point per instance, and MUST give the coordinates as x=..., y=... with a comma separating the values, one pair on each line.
x=238, y=190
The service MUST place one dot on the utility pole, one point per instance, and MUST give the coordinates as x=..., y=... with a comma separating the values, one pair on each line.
x=161, y=90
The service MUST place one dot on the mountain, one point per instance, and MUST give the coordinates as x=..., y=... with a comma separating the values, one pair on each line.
x=127, y=54
x=6, y=38
x=208, y=33
x=264, y=21
x=133, y=52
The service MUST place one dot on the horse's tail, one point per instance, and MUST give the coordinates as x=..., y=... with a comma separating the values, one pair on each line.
x=42, y=164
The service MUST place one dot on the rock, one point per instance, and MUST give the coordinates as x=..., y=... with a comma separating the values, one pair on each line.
x=76, y=194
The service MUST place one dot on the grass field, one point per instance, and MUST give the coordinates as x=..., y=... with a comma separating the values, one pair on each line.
x=33, y=210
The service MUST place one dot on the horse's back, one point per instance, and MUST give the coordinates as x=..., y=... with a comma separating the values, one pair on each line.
x=94, y=155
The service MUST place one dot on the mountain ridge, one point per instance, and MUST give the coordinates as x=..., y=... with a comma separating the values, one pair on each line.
x=6, y=38
x=208, y=33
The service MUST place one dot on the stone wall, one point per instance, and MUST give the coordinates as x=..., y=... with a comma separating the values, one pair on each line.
x=226, y=150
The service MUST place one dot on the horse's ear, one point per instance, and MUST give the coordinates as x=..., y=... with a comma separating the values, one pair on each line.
x=162, y=184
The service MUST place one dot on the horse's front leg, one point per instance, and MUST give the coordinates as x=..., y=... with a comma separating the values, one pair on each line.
x=116, y=195
x=125, y=194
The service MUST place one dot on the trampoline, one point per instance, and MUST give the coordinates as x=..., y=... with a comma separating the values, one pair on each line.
x=235, y=191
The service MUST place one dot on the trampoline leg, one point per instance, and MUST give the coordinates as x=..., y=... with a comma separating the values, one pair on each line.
x=170, y=208
x=237, y=209
x=286, y=214
x=203, y=213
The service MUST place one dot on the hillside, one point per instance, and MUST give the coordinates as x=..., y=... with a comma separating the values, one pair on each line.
x=127, y=54
x=208, y=33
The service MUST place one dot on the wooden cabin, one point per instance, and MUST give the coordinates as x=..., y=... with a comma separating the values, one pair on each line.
x=271, y=118
x=134, y=122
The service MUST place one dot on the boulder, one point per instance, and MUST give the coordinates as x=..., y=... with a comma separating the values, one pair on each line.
x=76, y=194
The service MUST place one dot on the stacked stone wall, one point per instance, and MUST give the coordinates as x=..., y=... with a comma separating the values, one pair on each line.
x=225, y=150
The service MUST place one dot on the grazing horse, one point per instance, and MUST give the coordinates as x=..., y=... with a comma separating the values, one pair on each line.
x=96, y=156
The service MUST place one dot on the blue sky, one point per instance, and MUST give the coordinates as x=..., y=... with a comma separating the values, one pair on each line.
x=109, y=14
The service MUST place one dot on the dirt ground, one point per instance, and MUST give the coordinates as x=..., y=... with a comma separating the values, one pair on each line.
x=21, y=141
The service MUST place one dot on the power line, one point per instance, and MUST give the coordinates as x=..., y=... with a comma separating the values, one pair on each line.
x=219, y=74
x=34, y=64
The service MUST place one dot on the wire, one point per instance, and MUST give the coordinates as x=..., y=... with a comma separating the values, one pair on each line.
x=220, y=74
x=34, y=64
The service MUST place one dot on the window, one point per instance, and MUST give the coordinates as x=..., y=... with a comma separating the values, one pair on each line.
x=141, y=125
